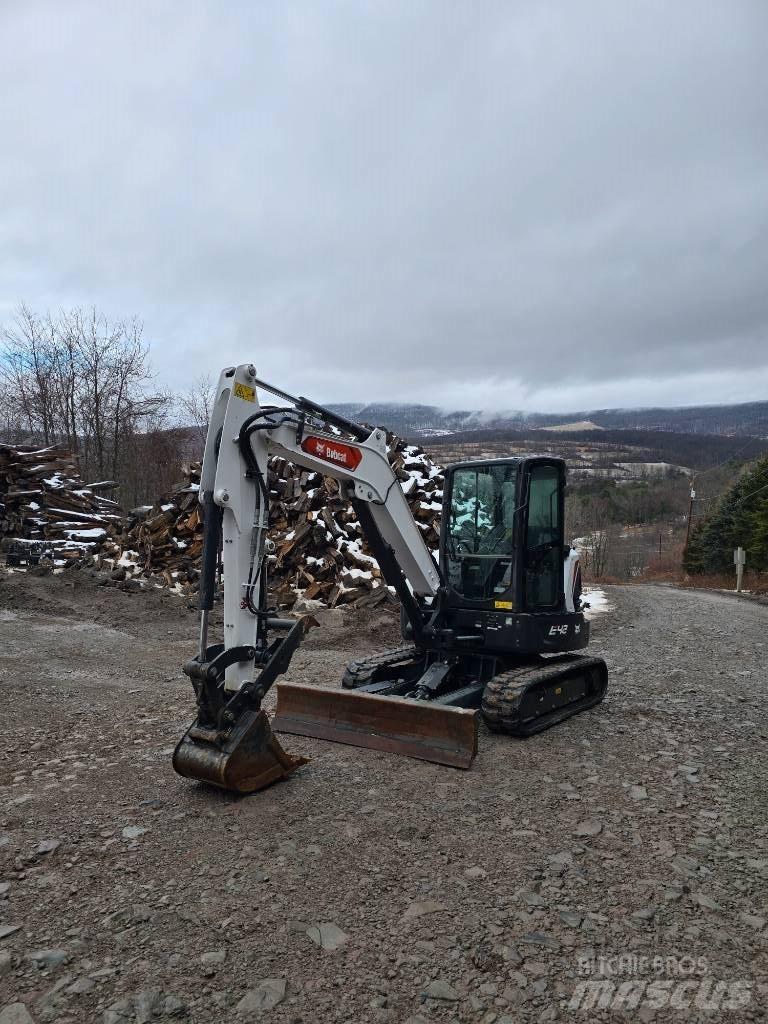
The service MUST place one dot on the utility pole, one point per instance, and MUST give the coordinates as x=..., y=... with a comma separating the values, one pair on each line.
x=690, y=511
x=739, y=558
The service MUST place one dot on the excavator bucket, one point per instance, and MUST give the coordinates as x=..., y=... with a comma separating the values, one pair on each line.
x=245, y=758
x=416, y=728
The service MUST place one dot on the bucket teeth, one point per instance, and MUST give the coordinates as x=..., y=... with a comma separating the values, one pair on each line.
x=245, y=759
x=416, y=728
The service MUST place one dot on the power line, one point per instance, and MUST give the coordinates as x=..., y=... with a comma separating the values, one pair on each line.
x=737, y=502
x=730, y=458
x=751, y=494
x=714, y=497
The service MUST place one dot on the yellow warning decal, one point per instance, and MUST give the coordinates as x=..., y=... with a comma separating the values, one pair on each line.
x=244, y=392
x=505, y=605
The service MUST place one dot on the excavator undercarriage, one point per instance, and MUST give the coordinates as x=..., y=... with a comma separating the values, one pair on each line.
x=520, y=699
x=490, y=630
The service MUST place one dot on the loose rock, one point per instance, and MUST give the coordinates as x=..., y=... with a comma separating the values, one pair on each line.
x=266, y=996
x=16, y=1013
x=48, y=846
x=442, y=990
x=133, y=831
x=422, y=908
x=590, y=827
x=327, y=936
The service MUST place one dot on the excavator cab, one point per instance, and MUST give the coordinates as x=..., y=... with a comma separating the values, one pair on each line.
x=503, y=550
x=502, y=540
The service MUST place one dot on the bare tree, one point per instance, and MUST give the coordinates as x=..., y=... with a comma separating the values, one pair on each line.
x=591, y=522
x=83, y=380
x=151, y=459
x=195, y=407
x=11, y=425
x=26, y=372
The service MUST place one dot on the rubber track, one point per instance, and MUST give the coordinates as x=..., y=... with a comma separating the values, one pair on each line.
x=367, y=666
x=503, y=695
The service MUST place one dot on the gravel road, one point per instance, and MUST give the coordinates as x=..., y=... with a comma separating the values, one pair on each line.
x=369, y=887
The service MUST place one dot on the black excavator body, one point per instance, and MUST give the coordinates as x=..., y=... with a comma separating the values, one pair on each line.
x=501, y=634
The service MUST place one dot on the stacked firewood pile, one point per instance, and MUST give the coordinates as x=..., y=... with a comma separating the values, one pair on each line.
x=44, y=500
x=165, y=540
x=320, y=553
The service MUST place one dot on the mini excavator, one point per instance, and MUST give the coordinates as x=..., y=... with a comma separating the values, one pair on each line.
x=490, y=629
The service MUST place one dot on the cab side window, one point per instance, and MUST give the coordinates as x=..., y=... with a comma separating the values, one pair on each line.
x=543, y=540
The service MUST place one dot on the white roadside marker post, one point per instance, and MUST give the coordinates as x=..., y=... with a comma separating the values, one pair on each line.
x=739, y=559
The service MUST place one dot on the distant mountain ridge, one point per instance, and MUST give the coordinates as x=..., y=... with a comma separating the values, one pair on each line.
x=413, y=420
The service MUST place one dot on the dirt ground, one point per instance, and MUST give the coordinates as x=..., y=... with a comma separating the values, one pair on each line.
x=369, y=887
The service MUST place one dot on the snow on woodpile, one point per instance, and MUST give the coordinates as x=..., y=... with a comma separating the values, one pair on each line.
x=320, y=553
x=43, y=499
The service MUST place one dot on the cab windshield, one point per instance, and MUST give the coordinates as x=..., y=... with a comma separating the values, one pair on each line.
x=480, y=542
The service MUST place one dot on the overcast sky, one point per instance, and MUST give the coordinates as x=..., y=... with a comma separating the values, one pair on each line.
x=538, y=205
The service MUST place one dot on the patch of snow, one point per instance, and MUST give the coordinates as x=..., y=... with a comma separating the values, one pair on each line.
x=78, y=515
x=310, y=605
x=357, y=574
x=597, y=601
x=565, y=428
x=354, y=547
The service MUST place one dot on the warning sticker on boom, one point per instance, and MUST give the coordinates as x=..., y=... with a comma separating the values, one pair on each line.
x=246, y=393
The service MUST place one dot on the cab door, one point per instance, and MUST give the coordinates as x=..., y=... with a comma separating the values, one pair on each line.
x=478, y=533
x=543, y=538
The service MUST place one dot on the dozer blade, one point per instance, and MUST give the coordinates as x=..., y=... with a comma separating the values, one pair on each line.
x=416, y=728
x=245, y=758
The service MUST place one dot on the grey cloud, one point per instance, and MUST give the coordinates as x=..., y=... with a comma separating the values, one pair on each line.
x=505, y=203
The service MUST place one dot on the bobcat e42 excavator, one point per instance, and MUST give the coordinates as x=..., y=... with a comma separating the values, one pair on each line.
x=491, y=627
